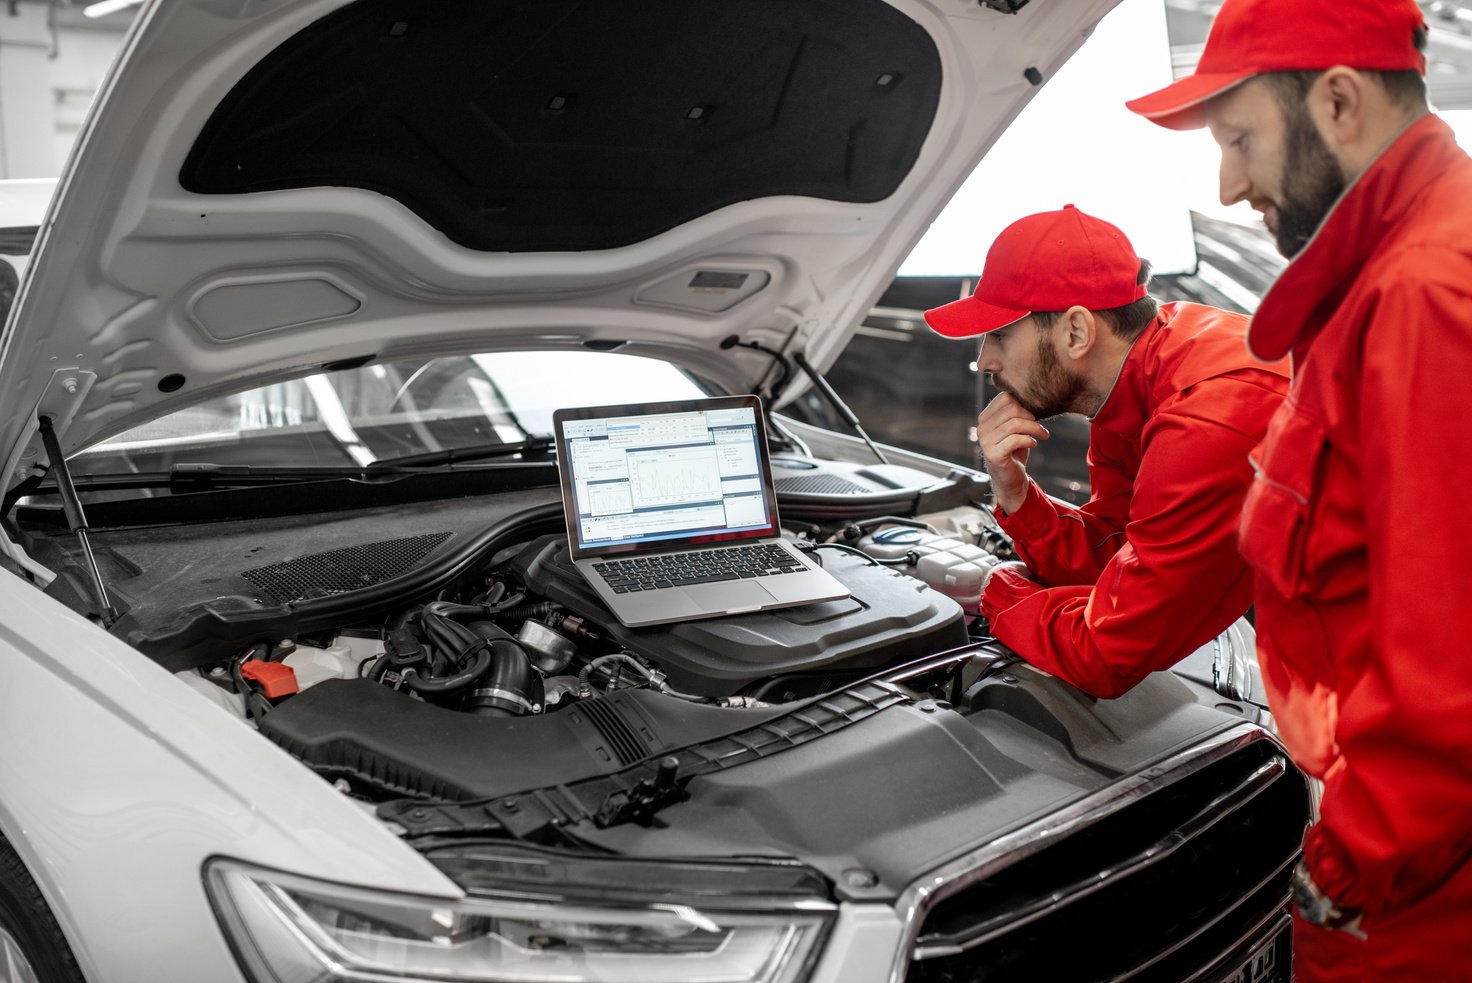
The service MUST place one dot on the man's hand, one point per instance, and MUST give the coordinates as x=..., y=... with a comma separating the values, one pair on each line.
x=1011, y=566
x=1006, y=433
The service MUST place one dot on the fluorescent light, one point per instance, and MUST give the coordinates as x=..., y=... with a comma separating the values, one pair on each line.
x=105, y=7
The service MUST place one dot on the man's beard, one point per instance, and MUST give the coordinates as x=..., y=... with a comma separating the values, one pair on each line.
x=1312, y=181
x=1051, y=390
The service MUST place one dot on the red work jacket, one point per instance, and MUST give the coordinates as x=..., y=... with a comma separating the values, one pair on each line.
x=1147, y=570
x=1357, y=524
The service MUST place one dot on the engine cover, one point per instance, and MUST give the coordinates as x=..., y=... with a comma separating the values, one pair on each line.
x=888, y=618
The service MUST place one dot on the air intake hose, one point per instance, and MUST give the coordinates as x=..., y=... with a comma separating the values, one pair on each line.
x=512, y=688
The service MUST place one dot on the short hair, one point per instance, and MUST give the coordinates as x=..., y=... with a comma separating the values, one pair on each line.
x=1406, y=88
x=1126, y=322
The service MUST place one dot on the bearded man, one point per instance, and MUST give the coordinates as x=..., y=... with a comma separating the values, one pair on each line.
x=1147, y=570
x=1355, y=523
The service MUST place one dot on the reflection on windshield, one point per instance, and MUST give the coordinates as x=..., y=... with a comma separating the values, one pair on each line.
x=358, y=416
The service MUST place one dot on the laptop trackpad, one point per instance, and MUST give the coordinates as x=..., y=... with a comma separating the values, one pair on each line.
x=729, y=595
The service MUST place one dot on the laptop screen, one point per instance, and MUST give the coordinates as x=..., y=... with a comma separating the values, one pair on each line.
x=694, y=472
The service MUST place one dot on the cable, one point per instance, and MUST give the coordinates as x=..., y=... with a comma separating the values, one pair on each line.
x=873, y=560
x=855, y=530
x=776, y=389
x=621, y=657
x=256, y=705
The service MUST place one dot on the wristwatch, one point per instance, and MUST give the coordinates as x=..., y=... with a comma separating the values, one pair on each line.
x=1316, y=907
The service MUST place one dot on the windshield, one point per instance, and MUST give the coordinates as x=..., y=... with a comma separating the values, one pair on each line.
x=355, y=417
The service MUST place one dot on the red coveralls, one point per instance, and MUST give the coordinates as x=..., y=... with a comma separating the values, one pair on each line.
x=1357, y=528
x=1147, y=570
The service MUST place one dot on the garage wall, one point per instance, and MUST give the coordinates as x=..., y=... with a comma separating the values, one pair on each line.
x=52, y=61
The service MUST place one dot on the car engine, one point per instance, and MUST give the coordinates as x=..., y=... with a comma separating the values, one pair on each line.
x=526, y=657
x=466, y=655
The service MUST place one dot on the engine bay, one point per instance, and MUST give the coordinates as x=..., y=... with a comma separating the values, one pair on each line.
x=426, y=648
x=463, y=659
x=463, y=687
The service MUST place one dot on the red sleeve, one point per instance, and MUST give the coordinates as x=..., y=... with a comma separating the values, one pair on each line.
x=1177, y=580
x=1065, y=545
x=1397, y=808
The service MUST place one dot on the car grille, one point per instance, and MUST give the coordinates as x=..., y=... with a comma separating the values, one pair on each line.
x=1178, y=883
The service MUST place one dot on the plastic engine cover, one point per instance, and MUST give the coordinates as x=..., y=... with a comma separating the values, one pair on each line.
x=888, y=619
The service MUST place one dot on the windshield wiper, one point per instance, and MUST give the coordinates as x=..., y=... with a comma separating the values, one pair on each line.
x=196, y=476
x=536, y=445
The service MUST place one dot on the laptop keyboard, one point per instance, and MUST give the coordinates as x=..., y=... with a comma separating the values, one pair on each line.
x=699, y=567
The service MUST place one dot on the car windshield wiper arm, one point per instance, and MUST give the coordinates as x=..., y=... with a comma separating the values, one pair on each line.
x=535, y=445
x=204, y=474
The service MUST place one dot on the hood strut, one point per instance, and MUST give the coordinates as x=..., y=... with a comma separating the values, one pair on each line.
x=76, y=519
x=837, y=403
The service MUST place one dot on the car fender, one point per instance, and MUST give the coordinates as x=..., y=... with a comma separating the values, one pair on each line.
x=117, y=784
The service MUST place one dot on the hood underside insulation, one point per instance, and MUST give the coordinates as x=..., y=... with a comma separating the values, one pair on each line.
x=516, y=125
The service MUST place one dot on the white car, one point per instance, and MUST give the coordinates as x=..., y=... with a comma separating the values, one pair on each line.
x=296, y=682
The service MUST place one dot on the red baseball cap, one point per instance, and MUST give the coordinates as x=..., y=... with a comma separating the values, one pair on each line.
x=1045, y=262
x=1249, y=37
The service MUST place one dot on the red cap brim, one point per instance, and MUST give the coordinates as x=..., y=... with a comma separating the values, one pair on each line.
x=970, y=316
x=1179, y=105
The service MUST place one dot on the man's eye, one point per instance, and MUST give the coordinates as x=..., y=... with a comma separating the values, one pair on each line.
x=1240, y=144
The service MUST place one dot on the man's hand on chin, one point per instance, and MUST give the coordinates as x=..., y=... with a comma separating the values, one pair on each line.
x=1007, y=432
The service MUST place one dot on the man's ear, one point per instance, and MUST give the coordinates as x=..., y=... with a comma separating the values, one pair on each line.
x=1337, y=105
x=1080, y=331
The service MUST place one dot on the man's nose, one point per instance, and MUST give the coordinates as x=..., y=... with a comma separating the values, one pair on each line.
x=986, y=360
x=1232, y=181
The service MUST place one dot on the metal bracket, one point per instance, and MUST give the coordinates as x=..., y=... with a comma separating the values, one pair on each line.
x=61, y=399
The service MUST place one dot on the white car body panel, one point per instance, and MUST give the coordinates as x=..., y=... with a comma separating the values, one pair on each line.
x=119, y=783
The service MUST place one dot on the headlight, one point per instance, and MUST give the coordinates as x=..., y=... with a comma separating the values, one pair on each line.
x=289, y=929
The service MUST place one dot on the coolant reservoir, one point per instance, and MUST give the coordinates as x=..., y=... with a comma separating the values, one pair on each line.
x=340, y=660
x=949, y=566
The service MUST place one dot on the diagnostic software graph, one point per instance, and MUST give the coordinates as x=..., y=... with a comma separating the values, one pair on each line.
x=674, y=476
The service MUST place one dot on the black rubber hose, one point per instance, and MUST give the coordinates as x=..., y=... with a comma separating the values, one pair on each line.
x=510, y=681
x=513, y=687
x=528, y=612
x=450, y=684
x=443, y=634
x=448, y=609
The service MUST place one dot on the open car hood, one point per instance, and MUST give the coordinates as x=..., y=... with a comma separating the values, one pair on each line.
x=267, y=188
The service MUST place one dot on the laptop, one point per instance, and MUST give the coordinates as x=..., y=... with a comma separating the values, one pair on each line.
x=672, y=514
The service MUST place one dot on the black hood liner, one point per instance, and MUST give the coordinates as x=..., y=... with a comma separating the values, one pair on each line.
x=517, y=125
